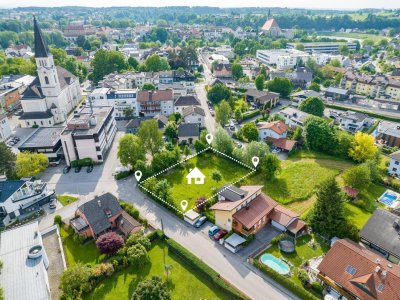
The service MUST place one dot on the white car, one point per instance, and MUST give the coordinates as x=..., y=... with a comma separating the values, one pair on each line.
x=276, y=150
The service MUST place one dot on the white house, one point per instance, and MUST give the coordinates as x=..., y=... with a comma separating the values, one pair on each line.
x=188, y=133
x=21, y=197
x=281, y=58
x=277, y=129
x=5, y=129
x=184, y=102
x=196, y=175
x=354, y=121
x=294, y=117
x=156, y=102
x=194, y=115
x=394, y=165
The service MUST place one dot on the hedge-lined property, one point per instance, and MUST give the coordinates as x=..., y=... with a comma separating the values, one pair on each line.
x=373, y=115
x=250, y=114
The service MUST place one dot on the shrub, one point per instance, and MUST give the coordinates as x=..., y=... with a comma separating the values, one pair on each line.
x=58, y=220
x=153, y=288
x=203, y=269
x=137, y=255
x=139, y=239
x=101, y=270
x=122, y=175
x=84, y=162
x=317, y=287
x=109, y=243
x=75, y=281
x=250, y=114
x=303, y=276
x=277, y=239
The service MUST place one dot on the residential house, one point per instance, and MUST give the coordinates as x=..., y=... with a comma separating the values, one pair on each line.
x=262, y=99
x=282, y=58
x=222, y=70
x=294, y=117
x=133, y=125
x=184, y=102
x=23, y=51
x=354, y=121
x=156, y=102
x=276, y=129
x=194, y=115
x=246, y=210
x=196, y=175
x=32, y=262
x=394, y=164
x=337, y=93
x=388, y=133
x=5, y=129
x=186, y=79
x=20, y=198
x=9, y=97
x=349, y=270
x=381, y=233
x=162, y=120
x=45, y=140
x=89, y=134
x=299, y=97
x=103, y=214
x=300, y=78
x=188, y=133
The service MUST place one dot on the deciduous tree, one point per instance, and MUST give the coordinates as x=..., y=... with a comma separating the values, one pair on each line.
x=223, y=113
x=358, y=177
x=109, y=243
x=137, y=255
x=222, y=141
x=130, y=150
x=363, y=147
x=75, y=280
x=271, y=166
x=237, y=71
x=31, y=164
x=250, y=132
x=319, y=136
x=7, y=159
x=314, y=106
x=218, y=93
x=280, y=85
x=259, y=82
x=154, y=63
x=153, y=288
x=150, y=136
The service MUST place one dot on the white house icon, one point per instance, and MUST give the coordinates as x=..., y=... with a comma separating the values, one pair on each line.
x=196, y=175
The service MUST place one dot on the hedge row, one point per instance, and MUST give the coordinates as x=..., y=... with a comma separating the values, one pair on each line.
x=373, y=115
x=285, y=282
x=84, y=162
x=122, y=175
x=205, y=270
x=250, y=114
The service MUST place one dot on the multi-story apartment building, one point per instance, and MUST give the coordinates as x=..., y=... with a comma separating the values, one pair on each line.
x=156, y=102
x=89, y=134
x=282, y=58
x=324, y=47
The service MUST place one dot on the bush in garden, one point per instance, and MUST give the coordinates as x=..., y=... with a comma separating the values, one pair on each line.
x=109, y=243
x=137, y=255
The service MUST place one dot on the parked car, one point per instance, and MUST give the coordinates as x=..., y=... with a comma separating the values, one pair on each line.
x=232, y=127
x=52, y=205
x=77, y=169
x=89, y=169
x=276, y=150
x=213, y=230
x=220, y=234
x=66, y=169
x=200, y=222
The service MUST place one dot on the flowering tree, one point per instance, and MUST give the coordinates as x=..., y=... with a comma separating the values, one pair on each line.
x=109, y=243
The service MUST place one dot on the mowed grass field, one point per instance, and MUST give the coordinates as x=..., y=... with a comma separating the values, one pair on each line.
x=184, y=281
x=207, y=163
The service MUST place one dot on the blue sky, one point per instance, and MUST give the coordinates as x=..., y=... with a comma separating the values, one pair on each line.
x=335, y=4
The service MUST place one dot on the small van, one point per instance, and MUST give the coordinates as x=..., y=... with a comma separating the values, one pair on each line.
x=213, y=230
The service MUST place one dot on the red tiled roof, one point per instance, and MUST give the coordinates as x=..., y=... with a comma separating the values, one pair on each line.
x=278, y=126
x=157, y=95
x=270, y=24
x=296, y=226
x=283, y=215
x=282, y=143
x=364, y=283
x=258, y=208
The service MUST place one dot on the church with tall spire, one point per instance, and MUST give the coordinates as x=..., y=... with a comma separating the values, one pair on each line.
x=54, y=92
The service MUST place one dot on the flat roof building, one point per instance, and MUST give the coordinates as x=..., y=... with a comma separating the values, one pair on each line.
x=324, y=47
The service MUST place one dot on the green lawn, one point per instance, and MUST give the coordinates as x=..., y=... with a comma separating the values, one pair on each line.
x=185, y=282
x=66, y=199
x=303, y=253
x=298, y=179
x=207, y=163
x=75, y=252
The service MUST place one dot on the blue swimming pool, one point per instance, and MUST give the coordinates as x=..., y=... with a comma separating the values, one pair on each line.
x=388, y=198
x=275, y=263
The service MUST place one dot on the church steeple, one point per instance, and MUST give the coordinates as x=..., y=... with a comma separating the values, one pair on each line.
x=41, y=49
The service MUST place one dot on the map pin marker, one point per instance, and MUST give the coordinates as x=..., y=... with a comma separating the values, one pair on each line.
x=209, y=138
x=255, y=161
x=138, y=175
x=184, y=204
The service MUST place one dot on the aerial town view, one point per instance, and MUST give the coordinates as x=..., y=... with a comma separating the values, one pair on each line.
x=199, y=150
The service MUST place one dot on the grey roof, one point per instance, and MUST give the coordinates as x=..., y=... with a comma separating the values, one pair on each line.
x=162, y=120
x=36, y=115
x=23, y=278
x=232, y=193
x=126, y=223
x=96, y=211
x=193, y=109
x=134, y=123
x=395, y=155
x=189, y=130
x=356, y=116
x=299, y=76
x=41, y=49
x=306, y=94
x=187, y=101
x=389, y=128
x=235, y=240
x=295, y=114
x=336, y=90
x=9, y=187
x=382, y=231
x=43, y=137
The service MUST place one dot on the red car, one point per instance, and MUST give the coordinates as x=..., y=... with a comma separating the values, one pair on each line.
x=220, y=234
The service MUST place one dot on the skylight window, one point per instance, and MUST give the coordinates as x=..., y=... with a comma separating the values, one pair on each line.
x=351, y=270
x=380, y=288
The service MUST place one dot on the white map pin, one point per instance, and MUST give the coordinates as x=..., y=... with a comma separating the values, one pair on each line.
x=184, y=204
x=138, y=175
x=209, y=138
x=255, y=161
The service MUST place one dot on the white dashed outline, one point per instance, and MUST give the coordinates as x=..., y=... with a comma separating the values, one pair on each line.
x=187, y=158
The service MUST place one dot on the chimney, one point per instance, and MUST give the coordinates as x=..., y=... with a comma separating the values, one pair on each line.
x=384, y=273
x=377, y=269
x=377, y=261
x=99, y=202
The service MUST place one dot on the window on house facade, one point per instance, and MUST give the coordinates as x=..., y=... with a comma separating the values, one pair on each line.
x=46, y=79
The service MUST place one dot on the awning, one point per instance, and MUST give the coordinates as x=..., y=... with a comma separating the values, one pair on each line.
x=235, y=240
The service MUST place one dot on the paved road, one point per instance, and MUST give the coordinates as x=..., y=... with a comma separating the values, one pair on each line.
x=202, y=96
x=232, y=267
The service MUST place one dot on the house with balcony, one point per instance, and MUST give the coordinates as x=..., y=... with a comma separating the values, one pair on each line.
x=262, y=99
x=354, y=121
x=246, y=210
x=294, y=117
x=156, y=102
x=388, y=133
x=21, y=198
x=394, y=164
x=103, y=214
x=194, y=115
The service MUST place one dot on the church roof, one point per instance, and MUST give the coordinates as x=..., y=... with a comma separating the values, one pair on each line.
x=36, y=115
x=269, y=24
x=41, y=49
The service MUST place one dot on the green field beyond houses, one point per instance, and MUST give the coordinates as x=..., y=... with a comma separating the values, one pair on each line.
x=207, y=163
